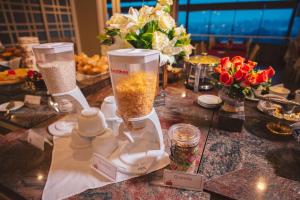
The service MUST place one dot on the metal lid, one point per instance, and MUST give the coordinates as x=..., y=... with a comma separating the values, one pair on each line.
x=204, y=59
x=129, y=56
x=51, y=48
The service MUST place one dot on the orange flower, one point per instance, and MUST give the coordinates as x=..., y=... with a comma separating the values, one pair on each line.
x=237, y=59
x=226, y=79
x=239, y=75
x=271, y=71
x=238, y=66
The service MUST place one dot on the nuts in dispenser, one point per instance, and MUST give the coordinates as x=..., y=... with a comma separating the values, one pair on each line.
x=135, y=94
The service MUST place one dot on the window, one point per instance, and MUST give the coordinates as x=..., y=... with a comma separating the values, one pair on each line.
x=264, y=18
x=25, y=18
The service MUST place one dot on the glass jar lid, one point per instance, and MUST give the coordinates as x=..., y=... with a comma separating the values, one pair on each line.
x=184, y=135
x=204, y=59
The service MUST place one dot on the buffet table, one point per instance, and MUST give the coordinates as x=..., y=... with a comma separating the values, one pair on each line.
x=247, y=165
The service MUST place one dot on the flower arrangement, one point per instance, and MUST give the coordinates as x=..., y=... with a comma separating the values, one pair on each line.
x=35, y=80
x=239, y=76
x=149, y=28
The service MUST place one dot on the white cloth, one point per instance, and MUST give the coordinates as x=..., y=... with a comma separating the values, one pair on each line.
x=70, y=172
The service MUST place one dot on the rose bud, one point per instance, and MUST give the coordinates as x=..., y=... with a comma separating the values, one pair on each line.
x=226, y=79
x=239, y=75
x=251, y=63
x=271, y=71
x=245, y=68
x=262, y=76
x=251, y=79
x=218, y=69
x=237, y=59
x=225, y=63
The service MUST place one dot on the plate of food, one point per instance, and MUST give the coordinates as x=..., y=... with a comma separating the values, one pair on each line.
x=12, y=76
x=90, y=67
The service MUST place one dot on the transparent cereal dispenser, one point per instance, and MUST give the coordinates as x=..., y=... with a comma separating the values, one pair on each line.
x=134, y=74
x=134, y=80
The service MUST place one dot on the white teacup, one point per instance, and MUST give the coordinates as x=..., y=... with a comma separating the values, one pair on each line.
x=105, y=144
x=109, y=107
x=79, y=142
x=91, y=122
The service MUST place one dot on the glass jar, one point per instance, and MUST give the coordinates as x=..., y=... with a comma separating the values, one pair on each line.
x=184, y=146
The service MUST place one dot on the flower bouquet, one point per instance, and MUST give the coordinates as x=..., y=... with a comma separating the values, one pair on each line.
x=238, y=78
x=149, y=28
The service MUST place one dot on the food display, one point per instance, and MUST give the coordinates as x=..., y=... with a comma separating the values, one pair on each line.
x=10, y=53
x=278, y=113
x=12, y=76
x=91, y=65
x=135, y=94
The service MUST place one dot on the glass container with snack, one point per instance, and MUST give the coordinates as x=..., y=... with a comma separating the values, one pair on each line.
x=184, y=146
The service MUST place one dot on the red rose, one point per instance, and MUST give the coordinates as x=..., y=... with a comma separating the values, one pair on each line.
x=239, y=75
x=223, y=60
x=270, y=71
x=225, y=63
x=245, y=68
x=262, y=76
x=218, y=69
x=11, y=72
x=237, y=59
x=251, y=63
x=251, y=79
x=238, y=66
x=226, y=79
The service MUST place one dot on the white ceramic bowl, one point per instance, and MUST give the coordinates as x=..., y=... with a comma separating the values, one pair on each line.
x=91, y=122
x=79, y=142
x=109, y=107
x=281, y=91
x=105, y=144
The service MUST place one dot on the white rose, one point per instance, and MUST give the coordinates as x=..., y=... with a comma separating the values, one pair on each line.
x=179, y=30
x=166, y=22
x=165, y=2
x=159, y=40
x=117, y=21
x=187, y=50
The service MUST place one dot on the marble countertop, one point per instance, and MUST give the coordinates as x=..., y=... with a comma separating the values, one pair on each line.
x=251, y=164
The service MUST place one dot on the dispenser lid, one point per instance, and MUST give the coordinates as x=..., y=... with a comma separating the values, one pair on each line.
x=55, y=47
x=204, y=59
x=129, y=56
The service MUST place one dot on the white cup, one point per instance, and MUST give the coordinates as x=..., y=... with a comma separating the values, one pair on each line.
x=91, y=122
x=105, y=144
x=109, y=107
x=79, y=142
x=297, y=95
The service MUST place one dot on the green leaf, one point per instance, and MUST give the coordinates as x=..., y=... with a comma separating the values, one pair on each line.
x=112, y=32
x=171, y=34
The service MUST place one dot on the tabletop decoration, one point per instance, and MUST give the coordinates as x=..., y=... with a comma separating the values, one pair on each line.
x=149, y=28
x=237, y=78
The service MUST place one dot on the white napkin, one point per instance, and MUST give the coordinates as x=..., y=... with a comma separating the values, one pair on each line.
x=70, y=172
